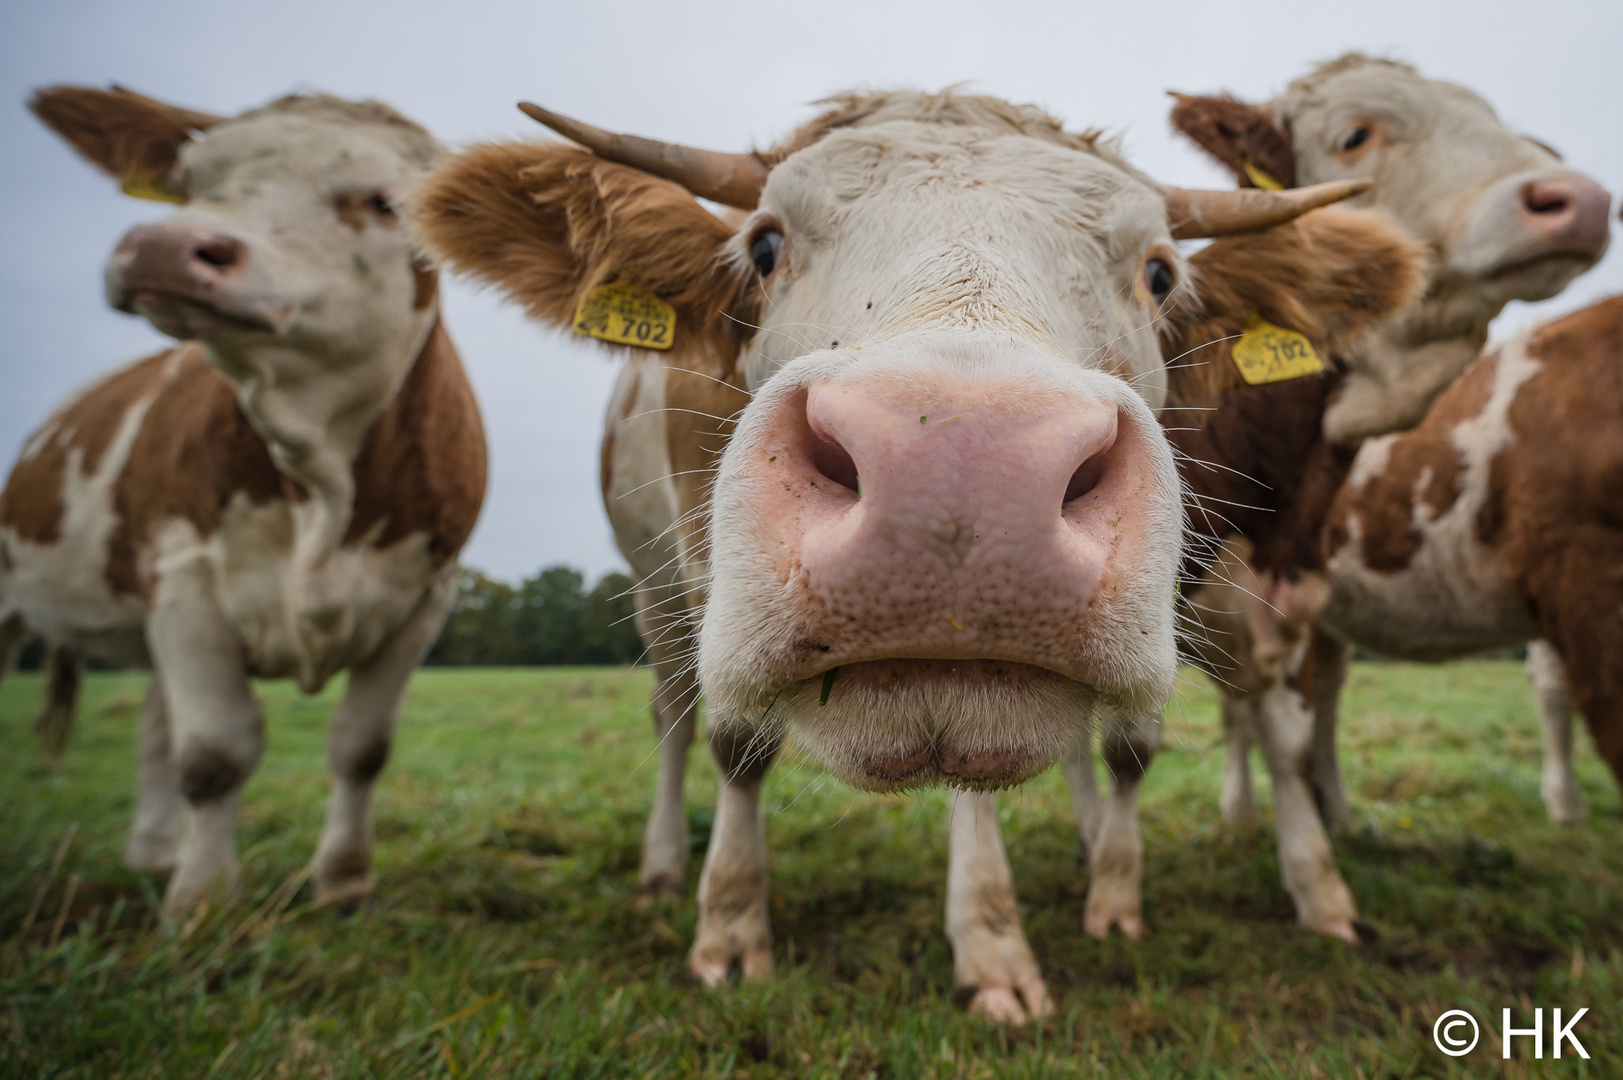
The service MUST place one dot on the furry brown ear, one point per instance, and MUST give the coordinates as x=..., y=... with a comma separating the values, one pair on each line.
x=132, y=138
x=1238, y=135
x=1329, y=275
x=545, y=223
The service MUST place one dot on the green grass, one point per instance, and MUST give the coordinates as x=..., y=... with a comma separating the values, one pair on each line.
x=507, y=938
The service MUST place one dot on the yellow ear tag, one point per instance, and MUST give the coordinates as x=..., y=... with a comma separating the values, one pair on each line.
x=1262, y=177
x=1267, y=353
x=147, y=189
x=626, y=314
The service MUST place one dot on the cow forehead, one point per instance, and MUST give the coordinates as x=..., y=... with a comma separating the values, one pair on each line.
x=1390, y=91
x=921, y=162
x=243, y=156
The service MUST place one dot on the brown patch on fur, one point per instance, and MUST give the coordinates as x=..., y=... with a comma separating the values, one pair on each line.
x=1234, y=132
x=548, y=223
x=1424, y=464
x=1253, y=457
x=1561, y=486
x=194, y=452
x=425, y=283
x=422, y=467
x=133, y=139
x=208, y=773
x=31, y=503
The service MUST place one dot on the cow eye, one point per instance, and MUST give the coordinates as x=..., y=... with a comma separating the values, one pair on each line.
x=1158, y=278
x=1355, y=138
x=766, y=251
x=379, y=205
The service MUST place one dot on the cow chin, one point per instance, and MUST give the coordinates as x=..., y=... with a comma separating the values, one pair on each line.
x=187, y=319
x=891, y=725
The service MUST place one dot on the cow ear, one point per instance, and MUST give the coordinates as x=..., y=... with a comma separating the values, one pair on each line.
x=1330, y=275
x=132, y=138
x=1243, y=138
x=548, y=223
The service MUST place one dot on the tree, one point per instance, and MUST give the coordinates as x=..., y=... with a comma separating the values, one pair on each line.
x=550, y=618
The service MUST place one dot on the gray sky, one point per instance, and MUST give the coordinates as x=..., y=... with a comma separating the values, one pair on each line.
x=722, y=75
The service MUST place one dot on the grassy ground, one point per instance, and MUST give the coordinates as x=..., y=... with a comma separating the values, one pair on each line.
x=507, y=939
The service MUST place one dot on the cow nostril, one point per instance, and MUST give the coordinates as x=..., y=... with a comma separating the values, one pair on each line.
x=1540, y=199
x=220, y=254
x=834, y=462
x=1086, y=478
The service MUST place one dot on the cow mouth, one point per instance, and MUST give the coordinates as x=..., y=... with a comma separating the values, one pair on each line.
x=1577, y=259
x=887, y=725
x=189, y=318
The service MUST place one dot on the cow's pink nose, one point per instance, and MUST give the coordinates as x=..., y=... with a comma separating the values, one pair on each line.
x=177, y=257
x=1572, y=212
x=949, y=520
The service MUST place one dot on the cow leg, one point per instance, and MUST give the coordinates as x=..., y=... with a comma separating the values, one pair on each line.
x=1237, y=803
x=665, y=842
x=13, y=634
x=154, y=842
x=991, y=961
x=733, y=923
x=53, y=726
x=1330, y=658
x=1117, y=858
x=1323, y=901
x=216, y=725
x=1077, y=767
x=1562, y=799
x=359, y=738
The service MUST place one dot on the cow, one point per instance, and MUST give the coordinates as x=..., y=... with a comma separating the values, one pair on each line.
x=1498, y=521
x=1503, y=220
x=943, y=532
x=284, y=493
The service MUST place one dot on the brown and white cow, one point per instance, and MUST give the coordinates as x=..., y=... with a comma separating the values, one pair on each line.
x=945, y=529
x=284, y=494
x=1499, y=520
x=1504, y=220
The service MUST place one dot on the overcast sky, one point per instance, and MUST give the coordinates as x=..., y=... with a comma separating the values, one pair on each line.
x=724, y=75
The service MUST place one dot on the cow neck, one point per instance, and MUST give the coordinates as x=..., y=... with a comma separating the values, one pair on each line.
x=1398, y=369
x=314, y=408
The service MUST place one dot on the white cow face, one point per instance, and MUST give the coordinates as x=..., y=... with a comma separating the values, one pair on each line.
x=949, y=494
x=289, y=236
x=1508, y=220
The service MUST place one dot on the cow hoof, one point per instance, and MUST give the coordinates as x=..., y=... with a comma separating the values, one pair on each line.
x=188, y=893
x=345, y=896
x=712, y=968
x=151, y=852
x=661, y=885
x=1114, y=904
x=1345, y=929
x=1012, y=1005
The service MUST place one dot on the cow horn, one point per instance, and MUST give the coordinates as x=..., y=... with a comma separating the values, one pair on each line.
x=730, y=179
x=190, y=118
x=1193, y=214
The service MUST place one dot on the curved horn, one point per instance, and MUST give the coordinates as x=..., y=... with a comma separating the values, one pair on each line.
x=1195, y=214
x=191, y=118
x=730, y=179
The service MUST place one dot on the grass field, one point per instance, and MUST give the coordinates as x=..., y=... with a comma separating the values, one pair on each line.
x=507, y=938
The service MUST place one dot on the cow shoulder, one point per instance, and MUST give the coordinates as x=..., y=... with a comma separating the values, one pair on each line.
x=75, y=437
x=422, y=467
x=194, y=453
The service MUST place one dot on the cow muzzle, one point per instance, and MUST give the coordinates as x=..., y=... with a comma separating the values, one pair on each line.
x=187, y=281
x=935, y=571
x=1529, y=235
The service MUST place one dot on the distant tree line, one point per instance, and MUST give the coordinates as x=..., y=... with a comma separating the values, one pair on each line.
x=551, y=618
